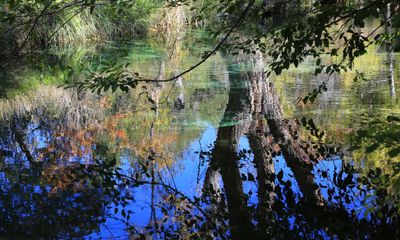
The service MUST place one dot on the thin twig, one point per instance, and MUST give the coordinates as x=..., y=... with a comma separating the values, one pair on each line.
x=34, y=24
x=66, y=22
x=207, y=56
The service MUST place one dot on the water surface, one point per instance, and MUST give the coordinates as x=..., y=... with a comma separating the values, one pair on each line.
x=219, y=152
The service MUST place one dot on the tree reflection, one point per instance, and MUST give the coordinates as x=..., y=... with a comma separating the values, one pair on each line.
x=286, y=184
x=255, y=111
x=303, y=200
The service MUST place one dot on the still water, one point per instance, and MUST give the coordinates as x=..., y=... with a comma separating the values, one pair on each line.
x=218, y=153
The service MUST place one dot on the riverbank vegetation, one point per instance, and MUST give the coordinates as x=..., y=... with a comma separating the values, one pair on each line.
x=31, y=24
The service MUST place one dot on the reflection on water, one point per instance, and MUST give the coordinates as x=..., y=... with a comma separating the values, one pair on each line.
x=219, y=153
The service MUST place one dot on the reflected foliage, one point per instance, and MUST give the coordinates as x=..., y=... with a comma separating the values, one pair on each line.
x=216, y=155
x=49, y=202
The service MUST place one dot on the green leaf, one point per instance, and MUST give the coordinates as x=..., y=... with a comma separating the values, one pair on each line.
x=372, y=148
x=394, y=152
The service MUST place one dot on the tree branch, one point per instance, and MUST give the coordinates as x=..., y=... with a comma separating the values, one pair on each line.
x=34, y=24
x=241, y=17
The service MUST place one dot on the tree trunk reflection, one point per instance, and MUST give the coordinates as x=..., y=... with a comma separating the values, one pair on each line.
x=254, y=109
x=224, y=157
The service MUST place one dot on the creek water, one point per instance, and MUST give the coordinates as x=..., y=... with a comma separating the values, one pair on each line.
x=222, y=127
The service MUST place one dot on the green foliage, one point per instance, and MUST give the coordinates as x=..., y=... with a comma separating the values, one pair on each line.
x=314, y=94
x=326, y=29
x=40, y=23
x=379, y=135
x=108, y=76
x=291, y=32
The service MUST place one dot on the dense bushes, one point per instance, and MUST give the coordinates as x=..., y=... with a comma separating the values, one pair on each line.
x=31, y=23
